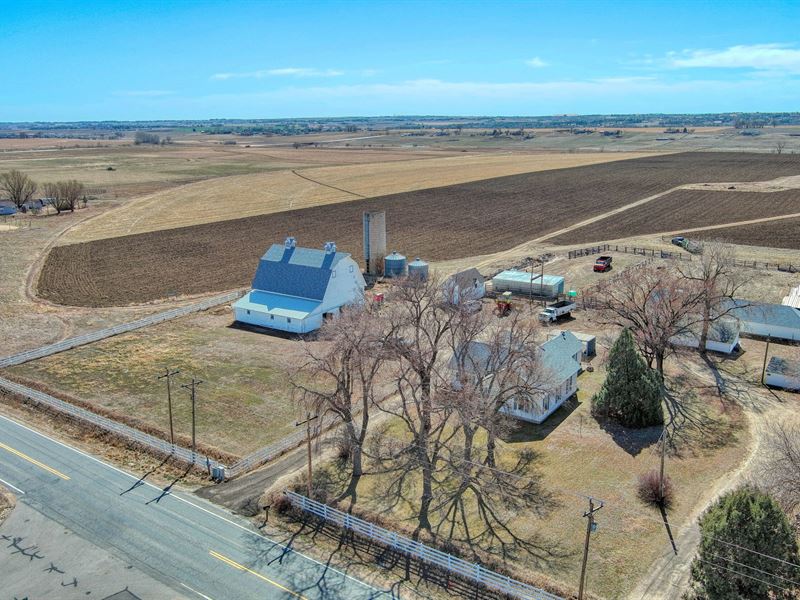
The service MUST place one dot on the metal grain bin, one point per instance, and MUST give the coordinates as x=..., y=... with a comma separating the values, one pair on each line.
x=394, y=265
x=418, y=268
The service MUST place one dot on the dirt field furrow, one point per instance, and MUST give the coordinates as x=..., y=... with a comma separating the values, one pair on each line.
x=440, y=223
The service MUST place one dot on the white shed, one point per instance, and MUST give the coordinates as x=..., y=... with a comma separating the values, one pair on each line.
x=295, y=289
x=777, y=321
x=723, y=336
x=783, y=373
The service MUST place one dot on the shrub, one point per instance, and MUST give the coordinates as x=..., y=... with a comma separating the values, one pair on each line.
x=649, y=489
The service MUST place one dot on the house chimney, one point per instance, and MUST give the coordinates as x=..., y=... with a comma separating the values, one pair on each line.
x=290, y=243
x=330, y=247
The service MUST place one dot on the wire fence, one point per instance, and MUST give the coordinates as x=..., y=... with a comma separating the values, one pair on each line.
x=94, y=336
x=649, y=252
x=268, y=453
x=134, y=435
x=453, y=564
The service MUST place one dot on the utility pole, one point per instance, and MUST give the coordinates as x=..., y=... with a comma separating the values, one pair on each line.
x=307, y=423
x=661, y=473
x=764, y=367
x=590, y=526
x=192, y=387
x=541, y=281
x=168, y=375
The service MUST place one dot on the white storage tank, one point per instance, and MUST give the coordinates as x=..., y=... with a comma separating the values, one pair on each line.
x=418, y=268
x=394, y=265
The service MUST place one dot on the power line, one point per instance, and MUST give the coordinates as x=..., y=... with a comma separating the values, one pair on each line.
x=744, y=575
x=745, y=565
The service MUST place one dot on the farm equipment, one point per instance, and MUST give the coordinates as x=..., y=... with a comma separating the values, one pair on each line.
x=602, y=264
x=503, y=305
x=555, y=311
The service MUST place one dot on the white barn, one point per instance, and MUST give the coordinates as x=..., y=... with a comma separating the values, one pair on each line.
x=295, y=289
x=783, y=373
x=560, y=358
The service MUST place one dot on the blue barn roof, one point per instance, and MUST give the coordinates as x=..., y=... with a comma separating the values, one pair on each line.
x=298, y=272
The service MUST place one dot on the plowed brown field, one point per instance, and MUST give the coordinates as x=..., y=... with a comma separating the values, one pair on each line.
x=689, y=209
x=440, y=223
x=781, y=233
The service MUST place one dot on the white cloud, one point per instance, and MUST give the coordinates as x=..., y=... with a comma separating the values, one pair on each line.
x=282, y=72
x=774, y=57
x=535, y=62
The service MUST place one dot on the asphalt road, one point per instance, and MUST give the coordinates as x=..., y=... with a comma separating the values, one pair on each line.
x=178, y=540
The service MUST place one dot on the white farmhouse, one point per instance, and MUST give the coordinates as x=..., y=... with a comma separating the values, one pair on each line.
x=466, y=286
x=294, y=289
x=560, y=360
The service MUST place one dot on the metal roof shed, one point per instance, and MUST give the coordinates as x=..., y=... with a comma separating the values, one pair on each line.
x=519, y=282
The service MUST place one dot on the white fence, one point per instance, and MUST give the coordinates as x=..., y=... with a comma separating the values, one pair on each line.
x=134, y=435
x=94, y=336
x=409, y=547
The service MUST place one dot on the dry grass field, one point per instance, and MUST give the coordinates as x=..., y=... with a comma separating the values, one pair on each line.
x=244, y=404
x=280, y=190
x=441, y=223
x=18, y=144
x=687, y=209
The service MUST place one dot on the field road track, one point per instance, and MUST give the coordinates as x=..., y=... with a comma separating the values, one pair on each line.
x=181, y=541
x=668, y=577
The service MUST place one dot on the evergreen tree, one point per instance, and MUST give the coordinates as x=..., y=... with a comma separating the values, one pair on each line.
x=742, y=535
x=631, y=393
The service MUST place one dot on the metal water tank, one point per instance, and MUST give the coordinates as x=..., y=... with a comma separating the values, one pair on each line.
x=418, y=268
x=394, y=265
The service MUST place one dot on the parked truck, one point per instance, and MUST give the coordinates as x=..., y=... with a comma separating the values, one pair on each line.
x=602, y=264
x=555, y=311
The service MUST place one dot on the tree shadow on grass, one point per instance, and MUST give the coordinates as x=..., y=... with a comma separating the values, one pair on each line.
x=632, y=441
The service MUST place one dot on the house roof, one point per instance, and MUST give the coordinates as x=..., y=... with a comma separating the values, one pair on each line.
x=298, y=272
x=724, y=330
x=277, y=304
x=584, y=337
x=777, y=315
x=558, y=355
x=784, y=366
x=466, y=277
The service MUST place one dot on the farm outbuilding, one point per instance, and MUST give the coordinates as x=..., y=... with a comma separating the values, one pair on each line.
x=777, y=321
x=7, y=208
x=723, y=336
x=783, y=373
x=295, y=289
x=587, y=340
x=466, y=285
x=523, y=282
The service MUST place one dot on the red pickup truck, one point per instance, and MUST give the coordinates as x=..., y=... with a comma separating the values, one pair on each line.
x=602, y=264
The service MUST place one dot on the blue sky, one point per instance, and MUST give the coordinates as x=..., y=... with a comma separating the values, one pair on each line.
x=94, y=60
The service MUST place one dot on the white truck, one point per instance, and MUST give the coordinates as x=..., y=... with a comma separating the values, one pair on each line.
x=555, y=311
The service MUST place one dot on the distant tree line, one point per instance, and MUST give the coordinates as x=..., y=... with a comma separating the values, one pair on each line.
x=61, y=195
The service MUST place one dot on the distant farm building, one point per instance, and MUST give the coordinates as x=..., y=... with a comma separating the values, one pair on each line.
x=560, y=360
x=783, y=373
x=7, y=208
x=776, y=321
x=295, y=289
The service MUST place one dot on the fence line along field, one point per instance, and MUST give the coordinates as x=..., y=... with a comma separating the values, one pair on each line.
x=286, y=189
x=686, y=209
x=442, y=223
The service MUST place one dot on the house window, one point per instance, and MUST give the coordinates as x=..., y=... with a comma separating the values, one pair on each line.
x=248, y=312
x=272, y=317
x=350, y=268
x=546, y=402
x=288, y=320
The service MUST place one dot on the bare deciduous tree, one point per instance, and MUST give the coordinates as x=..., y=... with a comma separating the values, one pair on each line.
x=656, y=303
x=719, y=281
x=19, y=187
x=780, y=473
x=64, y=195
x=341, y=378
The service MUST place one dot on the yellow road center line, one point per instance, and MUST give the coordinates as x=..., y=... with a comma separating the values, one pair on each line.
x=236, y=565
x=34, y=461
